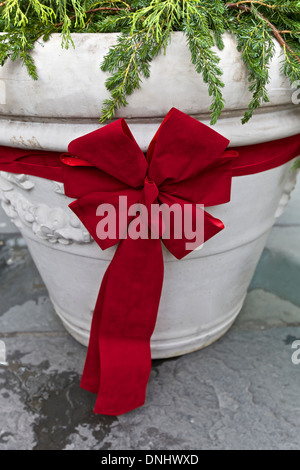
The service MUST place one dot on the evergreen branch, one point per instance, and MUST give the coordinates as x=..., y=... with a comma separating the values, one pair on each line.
x=255, y=42
x=206, y=62
x=118, y=96
x=128, y=62
x=275, y=31
x=280, y=6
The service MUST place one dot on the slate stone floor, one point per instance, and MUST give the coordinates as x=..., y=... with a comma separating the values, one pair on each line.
x=242, y=392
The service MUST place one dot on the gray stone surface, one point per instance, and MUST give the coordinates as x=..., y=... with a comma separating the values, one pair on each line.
x=242, y=392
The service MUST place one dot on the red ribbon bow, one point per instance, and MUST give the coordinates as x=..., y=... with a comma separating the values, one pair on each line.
x=186, y=164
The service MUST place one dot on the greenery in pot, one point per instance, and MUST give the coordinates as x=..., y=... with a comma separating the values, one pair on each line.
x=146, y=28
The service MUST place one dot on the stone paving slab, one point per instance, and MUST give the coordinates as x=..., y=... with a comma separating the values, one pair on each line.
x=6, y=226
x=240, y=393
x=278, y=274
x=263, y=309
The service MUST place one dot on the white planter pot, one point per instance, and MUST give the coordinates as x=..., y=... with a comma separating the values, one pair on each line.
x=203, y=293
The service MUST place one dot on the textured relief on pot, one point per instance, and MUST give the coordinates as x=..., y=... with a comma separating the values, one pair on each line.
x=50, y=224
x=8, y=180
x=286, y=196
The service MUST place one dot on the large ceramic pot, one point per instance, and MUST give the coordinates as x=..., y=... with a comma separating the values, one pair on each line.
x=203, y=293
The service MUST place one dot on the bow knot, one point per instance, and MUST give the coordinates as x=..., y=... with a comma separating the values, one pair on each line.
x=150, y=192
x=150, y=219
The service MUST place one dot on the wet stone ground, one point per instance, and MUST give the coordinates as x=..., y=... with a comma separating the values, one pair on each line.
x=242, y=392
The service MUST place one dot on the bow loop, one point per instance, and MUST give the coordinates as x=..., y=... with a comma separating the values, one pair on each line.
x=106, y=215
x=183, y=148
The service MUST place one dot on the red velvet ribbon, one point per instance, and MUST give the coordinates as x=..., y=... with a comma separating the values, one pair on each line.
x=187, y=163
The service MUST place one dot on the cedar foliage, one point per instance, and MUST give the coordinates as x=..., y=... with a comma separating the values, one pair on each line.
x=145, y=28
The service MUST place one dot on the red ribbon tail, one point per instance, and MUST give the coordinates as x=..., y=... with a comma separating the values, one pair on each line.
x=91, y=373
x=118, y=362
